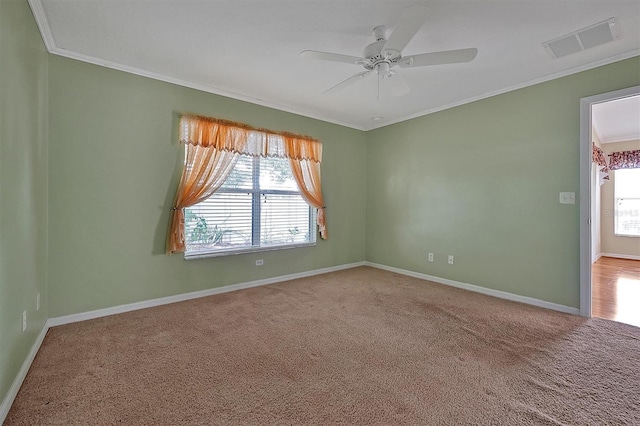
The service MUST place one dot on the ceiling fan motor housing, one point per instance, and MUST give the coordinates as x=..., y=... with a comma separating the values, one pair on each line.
x=374, y=54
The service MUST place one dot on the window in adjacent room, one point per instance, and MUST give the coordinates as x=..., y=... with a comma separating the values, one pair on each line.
x=259, y=206
x=627, y=202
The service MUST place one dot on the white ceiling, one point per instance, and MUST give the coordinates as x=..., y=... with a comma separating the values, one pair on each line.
x=617, y=121
x=249, y=49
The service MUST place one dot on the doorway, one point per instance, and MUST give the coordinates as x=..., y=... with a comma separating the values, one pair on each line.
x=609, y=281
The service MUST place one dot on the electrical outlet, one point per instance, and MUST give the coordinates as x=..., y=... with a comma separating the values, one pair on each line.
x=430, y=257
x=450, y=260
x=24, y=320
x=259, y=262
x=38, y=302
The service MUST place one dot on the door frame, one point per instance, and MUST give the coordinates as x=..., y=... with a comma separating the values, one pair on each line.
x=585, y=189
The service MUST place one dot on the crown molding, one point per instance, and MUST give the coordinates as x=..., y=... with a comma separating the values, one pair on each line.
x=47, y=37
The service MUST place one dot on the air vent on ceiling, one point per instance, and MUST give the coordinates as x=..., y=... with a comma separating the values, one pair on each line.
x=586, y=38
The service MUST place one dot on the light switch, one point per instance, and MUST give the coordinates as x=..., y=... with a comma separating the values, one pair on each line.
x=567, y=198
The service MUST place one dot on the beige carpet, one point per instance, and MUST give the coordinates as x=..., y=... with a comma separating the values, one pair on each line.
x=358, y=346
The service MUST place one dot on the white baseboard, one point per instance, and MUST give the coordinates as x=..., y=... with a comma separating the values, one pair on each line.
x=67, y=319
x=479, y=289
x=17, y=382
x=620, y=256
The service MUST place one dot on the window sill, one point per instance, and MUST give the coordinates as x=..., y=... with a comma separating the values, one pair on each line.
x=627, y=235
x=206, y=254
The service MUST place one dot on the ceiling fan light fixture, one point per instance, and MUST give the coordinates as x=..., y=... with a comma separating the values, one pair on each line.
x=383, y=69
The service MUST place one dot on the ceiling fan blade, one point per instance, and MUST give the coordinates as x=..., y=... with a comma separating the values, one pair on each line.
x=410, y=22
x=438, y=58
x=333, y=57
x=347, y=82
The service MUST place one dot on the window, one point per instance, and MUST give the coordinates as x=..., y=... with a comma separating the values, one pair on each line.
x=627, y=202
x=244, y=189
x=258, y=207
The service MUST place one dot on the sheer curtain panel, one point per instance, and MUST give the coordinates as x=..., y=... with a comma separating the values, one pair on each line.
x=308, y=178
x=205, y=170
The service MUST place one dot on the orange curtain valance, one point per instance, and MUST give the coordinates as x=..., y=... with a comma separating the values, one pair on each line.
x=243, y=139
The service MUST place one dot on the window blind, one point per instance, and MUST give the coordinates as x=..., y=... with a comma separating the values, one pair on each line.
x=259, y=206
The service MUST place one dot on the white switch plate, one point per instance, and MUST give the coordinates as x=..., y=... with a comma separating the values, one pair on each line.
x=24, y=320
x=567, y=198
x=259, y=262
x=450, y=260
x=430, y=257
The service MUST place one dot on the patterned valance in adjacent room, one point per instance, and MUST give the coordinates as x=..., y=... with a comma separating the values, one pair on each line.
x=597, y=156
x=624, y=160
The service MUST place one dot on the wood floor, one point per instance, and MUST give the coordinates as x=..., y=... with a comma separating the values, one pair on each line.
x=615, y=290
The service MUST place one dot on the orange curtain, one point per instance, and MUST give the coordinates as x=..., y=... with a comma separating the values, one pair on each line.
x=307, y=175
x=213, y=147
x=238, y=137
x=205, y=170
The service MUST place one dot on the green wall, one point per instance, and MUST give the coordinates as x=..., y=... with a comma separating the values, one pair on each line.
x=23, y=185
x=481, y=182
x=113, y=176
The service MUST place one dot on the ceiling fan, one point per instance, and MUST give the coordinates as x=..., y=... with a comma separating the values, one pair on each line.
x=381, y=56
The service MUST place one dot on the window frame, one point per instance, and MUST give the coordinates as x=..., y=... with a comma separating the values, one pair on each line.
x=256, y=219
